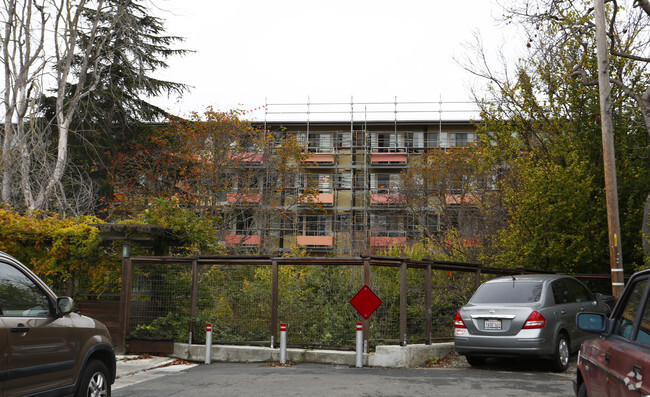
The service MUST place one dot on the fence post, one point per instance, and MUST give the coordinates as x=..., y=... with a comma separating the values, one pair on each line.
x=403, y=303
x=274, y=302
x=194, y=308
x=125, y=297
x=427, y=305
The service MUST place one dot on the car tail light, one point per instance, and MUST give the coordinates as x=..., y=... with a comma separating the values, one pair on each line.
x=535, y=320
x=458, y=322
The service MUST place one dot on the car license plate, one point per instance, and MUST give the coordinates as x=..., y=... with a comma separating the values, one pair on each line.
x=492, y=324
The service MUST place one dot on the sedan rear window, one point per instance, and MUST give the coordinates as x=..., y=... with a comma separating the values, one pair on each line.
x=509, y=292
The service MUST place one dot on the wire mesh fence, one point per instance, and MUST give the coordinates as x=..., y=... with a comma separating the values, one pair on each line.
x=160, y=300
x=246, y=301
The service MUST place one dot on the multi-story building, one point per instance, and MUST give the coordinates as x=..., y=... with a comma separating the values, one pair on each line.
x=352, y=172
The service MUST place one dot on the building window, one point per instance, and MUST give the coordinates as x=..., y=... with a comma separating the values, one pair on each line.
x=319, y=182
x=384, y=142
x=384, y=183
x=415, y=140
x=243, y=224
x=320, y=142
x=460, y=138
x=344, y=181
x=432, y=139
x=343, y=139
x=315, y=225
x=386, y=225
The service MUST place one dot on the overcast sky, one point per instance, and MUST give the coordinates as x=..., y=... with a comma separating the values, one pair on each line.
x=250, y=52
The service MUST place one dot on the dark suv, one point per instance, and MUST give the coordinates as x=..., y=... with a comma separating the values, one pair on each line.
x=46, y=348
x=618, y=363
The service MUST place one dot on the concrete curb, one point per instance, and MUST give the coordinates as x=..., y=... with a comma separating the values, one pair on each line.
x=410, y=356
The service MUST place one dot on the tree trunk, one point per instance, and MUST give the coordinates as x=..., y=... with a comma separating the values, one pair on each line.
x=645, y=229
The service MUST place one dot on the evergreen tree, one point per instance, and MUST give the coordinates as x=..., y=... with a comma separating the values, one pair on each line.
x=113, y=116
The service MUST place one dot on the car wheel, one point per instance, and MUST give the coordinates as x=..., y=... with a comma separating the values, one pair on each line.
x=94, y=382
x=582, y=391
x=562, y=353
x=474, y=361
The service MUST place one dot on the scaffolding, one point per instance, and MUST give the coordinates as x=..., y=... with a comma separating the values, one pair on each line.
x=356, y=152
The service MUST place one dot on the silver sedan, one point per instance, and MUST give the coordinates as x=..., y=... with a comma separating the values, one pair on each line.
x=525, y=315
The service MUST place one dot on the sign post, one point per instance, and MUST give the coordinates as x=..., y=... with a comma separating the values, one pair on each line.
x=359, y=345
x=365, y=302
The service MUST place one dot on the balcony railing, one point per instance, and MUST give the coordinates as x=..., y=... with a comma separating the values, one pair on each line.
x=318, y=198
x=240, y=239
x=458, y=199
x=244, y=197
x=387, y=199
x=387, y=241
x=388, y=158
x=247, y=157
x=320, y=158
x=322, y=241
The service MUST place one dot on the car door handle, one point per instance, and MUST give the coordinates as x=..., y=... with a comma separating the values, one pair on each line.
x=607, y=355
x=19, y=329
x=562, y=311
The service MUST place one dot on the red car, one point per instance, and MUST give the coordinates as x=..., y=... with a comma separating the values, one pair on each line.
x=617, y=363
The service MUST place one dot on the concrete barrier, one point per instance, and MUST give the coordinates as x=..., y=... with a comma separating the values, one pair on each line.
x=410, y=356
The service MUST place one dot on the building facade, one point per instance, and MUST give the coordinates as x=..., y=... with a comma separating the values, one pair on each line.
x=348, y=197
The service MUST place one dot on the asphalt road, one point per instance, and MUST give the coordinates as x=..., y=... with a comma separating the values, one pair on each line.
x=255, y=379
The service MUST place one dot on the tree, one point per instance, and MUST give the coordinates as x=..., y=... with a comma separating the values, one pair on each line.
x=214, y=164
x=541, y=127
x=118, y=109
x=85, y=40
x=442, y=194
x=23, y=59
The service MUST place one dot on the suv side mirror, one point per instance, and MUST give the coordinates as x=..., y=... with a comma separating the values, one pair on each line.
x=592, y=322
x=64, y=305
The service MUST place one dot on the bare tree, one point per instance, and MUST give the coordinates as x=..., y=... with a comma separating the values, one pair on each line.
x=42, y=51
x=24, y=61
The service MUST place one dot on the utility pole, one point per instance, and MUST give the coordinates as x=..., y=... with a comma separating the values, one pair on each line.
x=609, y=158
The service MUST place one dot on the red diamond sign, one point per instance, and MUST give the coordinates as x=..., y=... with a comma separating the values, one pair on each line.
x=366, y=302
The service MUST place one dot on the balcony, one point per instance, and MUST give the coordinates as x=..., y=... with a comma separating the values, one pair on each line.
x=320, y=159
x=240, y=239
x=247, y=158
x=458, y=199
x=387, y=199
x=315, y=241
x=385, y=241
x=318, y=198
x=235, y=198
x=469, y=242
x=388, y=158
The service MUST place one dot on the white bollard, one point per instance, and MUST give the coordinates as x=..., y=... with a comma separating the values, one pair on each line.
x=283, y=343
x=359, y=345
x=208, y=343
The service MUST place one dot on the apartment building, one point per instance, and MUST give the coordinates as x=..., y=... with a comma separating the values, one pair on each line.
x=351, y=170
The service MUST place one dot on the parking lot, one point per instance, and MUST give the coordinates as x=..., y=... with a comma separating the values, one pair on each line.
x=497, y=378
